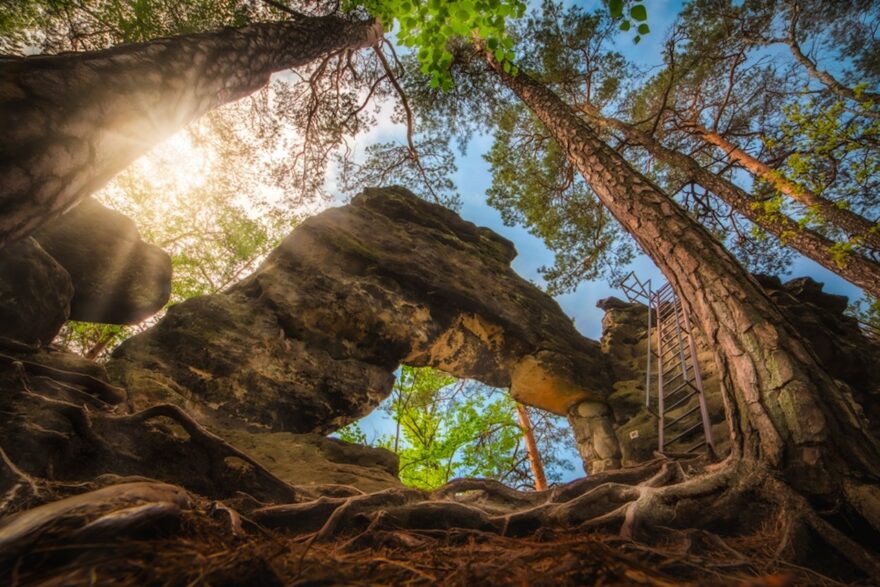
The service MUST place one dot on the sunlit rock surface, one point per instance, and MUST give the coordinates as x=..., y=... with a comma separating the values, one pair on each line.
x=117, y=277
x=310, y=341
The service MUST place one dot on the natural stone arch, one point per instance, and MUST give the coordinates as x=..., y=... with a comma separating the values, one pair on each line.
x=310, y=341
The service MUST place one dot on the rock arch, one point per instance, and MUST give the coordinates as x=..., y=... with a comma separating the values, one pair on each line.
x=310, y=341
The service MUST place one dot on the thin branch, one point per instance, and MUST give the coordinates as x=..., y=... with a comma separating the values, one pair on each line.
x=413, y=153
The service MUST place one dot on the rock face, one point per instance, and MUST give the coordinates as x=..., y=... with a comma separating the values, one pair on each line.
x=313, y=460
x=117, y=277
x=310, y=341
x=61, y=420
x=842, y=348
x=35, y=293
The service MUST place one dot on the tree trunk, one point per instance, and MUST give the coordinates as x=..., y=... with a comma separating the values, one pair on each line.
x=785, y=413
x=532, y=448
x=73, y=121
x=855, y=268
x=857, y=227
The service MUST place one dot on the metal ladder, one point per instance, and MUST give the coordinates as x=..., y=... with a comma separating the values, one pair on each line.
x=679, y=380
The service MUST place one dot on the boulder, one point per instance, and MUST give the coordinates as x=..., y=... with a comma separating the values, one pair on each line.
x=117, y=277
x=315, y=460
x=310, y=341
x=35, y=293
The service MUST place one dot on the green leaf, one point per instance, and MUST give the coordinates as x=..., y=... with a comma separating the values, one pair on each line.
x=499, y=55
x=644, y=29
x=615, y=7
x=625, y=25
x=639, y=12
x=636, y=39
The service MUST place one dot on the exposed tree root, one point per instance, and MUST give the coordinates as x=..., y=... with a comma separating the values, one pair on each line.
x=693, y=520
x=101, y=389
x=95, y=516
x=216, y=448
x=154, y=533
x=19, y=487
x=65, y=431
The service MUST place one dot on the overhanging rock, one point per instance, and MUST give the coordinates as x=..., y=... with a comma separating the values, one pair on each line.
x=310, y=341
x=117, y=277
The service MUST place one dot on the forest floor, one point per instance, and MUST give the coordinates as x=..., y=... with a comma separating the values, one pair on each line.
x=202, y=550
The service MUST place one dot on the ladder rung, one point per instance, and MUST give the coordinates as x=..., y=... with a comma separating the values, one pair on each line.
x=674, y=366
x=671, y=379
x=671, y=349
x=663, y=299
x=669, y=325
x=682, y=400
x=669, y=339
x=700, y=444
x=683, y=416
x=670, y=330
x=683, y=434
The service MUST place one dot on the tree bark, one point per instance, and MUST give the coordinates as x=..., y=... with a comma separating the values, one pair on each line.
x=73, y=121
x=857, y=227
x=785, y=413
x=532, y=451
x=855, y=268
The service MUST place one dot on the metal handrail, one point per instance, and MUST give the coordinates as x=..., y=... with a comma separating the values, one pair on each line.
x=673, y=328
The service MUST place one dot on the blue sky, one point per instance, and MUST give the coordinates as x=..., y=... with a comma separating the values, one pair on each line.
x=473, y=180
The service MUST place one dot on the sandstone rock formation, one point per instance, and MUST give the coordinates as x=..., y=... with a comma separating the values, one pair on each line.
x=89, y=264
x=62, y=422
x=842, y=348
x=117, y=277
x=35, y=293
x=310, y=341
x=314, y=461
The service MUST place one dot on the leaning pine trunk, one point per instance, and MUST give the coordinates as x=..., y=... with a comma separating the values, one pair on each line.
x=858, y=227
x=73, y=121
x=855, y=268
x=785, y=413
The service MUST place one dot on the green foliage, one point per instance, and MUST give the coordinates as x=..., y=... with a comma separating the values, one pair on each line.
x=428, y=27
x=55, y=25
x=210, y=197
x=637, y=15
x=833, y=153
x=867, y=312
x=91, y=340
x=446, y=428
x=353, y=433
x=534, y=184
x=221, y=211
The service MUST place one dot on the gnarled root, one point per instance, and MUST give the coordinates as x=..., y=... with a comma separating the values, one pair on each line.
x=94, y=517
x=18, y=487
x=59, y=428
